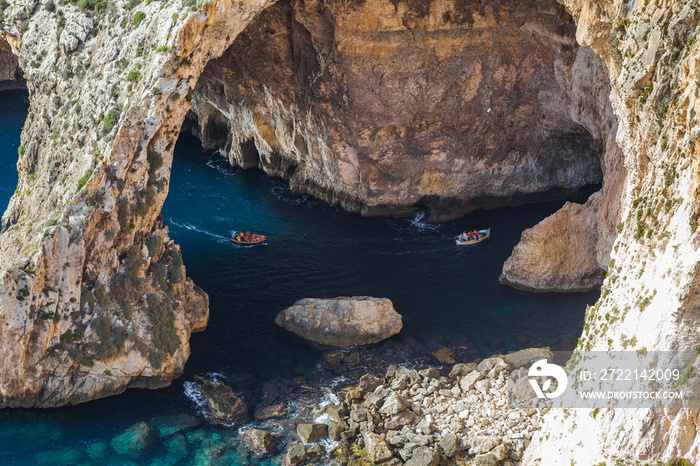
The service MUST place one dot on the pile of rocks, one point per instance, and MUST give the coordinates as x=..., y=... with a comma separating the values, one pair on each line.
x=420, y=418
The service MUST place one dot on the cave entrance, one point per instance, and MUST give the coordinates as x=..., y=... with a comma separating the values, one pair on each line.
x=387, y=108
x=448, y=295
x=385, y=112
x=11, y=75
x=384, y=109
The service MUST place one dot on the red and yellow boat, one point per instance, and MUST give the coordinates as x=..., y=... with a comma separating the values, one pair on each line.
x=247, y=238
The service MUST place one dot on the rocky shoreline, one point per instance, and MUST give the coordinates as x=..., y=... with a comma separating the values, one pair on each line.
x=456, y=414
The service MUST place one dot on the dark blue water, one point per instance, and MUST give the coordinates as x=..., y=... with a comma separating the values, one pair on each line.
x=13, y=111
x=447, y=294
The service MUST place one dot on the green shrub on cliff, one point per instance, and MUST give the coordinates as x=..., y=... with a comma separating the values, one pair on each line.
x=160, y=275
x=134, y=262
x=134, y=76
x=155, y=161
x=67, y=337
x=111, y=120
x=87, y=300
x=679, y=462
x=176, y=272
x=163, y=332
x=154, y=244
x=83, y=181
x=111, y=338
x=138, y=17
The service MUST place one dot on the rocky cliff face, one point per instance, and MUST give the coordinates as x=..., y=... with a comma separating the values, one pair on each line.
x=94, y=296
x=348, y=102
x=650, y=296
x=559, y=253
x=10, y=72
x=546, y=261
x=386, y=107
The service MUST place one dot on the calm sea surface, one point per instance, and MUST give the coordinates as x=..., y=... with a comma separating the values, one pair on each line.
x=447, y=294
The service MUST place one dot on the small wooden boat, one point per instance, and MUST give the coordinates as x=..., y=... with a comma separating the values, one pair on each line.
x=248, y=239
x=464, y=239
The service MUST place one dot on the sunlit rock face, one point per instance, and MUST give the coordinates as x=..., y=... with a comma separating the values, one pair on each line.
x=10, y=72
x=94, y=297
x=559, y=253
x=388, y=107
x=649, y=300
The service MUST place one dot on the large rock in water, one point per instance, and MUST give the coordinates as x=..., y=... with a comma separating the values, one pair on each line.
x=221, y=401
x=558, y=254
x=360, y=320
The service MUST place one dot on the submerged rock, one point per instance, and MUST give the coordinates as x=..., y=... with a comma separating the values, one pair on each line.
x=133, y=441
x=168, y=426
x=343, y=321
x=63, y=456
x=177, y=447
x=221, y=401
x=444, y=356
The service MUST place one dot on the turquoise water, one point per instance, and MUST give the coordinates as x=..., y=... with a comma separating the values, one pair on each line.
x=448, y=295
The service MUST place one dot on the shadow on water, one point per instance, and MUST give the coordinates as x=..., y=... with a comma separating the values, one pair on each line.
x=15, y=105
x=448, y=295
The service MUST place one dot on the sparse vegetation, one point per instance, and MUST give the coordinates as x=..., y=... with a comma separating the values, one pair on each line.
x=139, y=16
x=134, y=76
x=163, y=332
x=83, y=180
x=111, y=120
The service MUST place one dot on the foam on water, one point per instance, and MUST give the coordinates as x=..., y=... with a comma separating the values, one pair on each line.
x=446, y=296
x=195, y=228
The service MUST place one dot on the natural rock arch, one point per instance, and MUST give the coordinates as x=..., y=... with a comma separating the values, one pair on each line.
x=94, y=174
x=82, y=245
x=387, y=108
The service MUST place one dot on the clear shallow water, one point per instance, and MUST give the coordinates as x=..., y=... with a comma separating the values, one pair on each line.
x=448, y=295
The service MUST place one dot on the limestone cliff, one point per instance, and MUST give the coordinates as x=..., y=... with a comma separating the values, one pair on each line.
x=650, y=296
x=545, y=260
x=386, y=107
x=93, y=294
x=559, y=253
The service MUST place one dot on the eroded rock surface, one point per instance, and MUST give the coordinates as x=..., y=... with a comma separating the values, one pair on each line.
x=94, y=297
x=649, y=299
x=10, y=72
x=559, y=253
x=387, y=107
x=343, y=321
